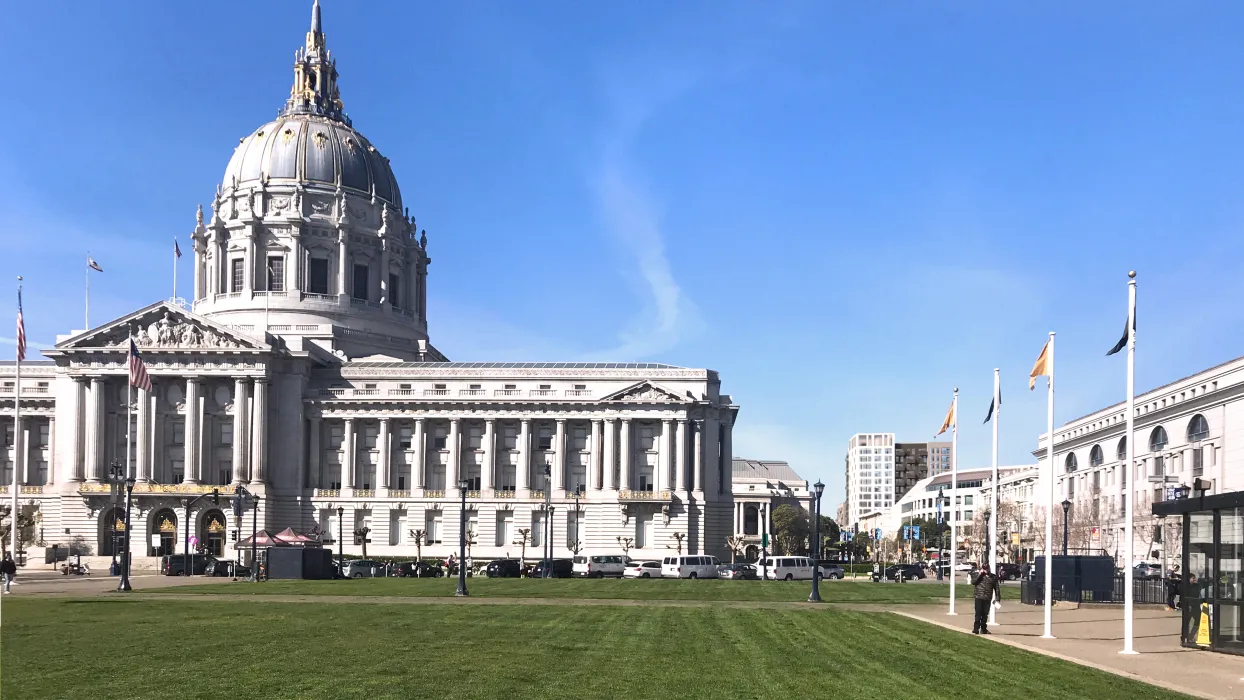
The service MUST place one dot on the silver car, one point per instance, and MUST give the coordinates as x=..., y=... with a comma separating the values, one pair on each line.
x=364, y=568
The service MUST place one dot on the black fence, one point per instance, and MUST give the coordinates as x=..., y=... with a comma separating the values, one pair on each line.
x=1144, y=591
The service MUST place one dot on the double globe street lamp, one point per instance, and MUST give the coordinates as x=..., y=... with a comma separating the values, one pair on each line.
x=462, y=587
x=817, y=489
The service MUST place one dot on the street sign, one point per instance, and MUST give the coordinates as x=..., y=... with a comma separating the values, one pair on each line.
x=764, y=540
x=907, y=532
x=877, y=533
x=915, y=532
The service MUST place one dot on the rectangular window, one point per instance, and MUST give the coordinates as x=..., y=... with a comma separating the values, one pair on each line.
x=317, y=275
x=537, y=529
x=432, y=525
x=1198, y=461
x=179, y=432
x=276, y=273
x=393, y=291
x=503, y=529
x=236, y=267
x=226, y=433
x=361, y=282
x=404, y=438
x=438, y=442
x=397, y=527
x=224, y=476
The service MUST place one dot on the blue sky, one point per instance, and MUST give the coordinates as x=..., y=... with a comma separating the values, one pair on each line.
x=847, y=209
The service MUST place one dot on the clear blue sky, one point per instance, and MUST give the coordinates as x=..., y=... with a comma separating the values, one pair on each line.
x=846, y=208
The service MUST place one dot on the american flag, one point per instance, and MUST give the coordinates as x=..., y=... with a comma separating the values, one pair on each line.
x=176, y=248
x=138, y=370
x=21, y=329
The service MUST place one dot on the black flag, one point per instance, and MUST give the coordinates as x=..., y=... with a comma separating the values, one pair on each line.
x=990, y=414
x=1123, y=341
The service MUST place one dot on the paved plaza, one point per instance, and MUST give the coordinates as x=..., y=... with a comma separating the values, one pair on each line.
x=1094, y=636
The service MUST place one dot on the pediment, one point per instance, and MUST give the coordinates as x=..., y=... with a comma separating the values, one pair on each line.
x=646, y=392
x=163, y=326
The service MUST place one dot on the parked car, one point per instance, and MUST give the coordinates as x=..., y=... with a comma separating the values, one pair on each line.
x=503, y=568
x=599, y=565
x=738, y=572
x=226, y=568
x=417, y=569
x=364, y=568
x=690, y=567
x=1009, y=572
x=1148, y=571
x=786, y=568
x=832, y=571
x=908, y=571
x=642, y=569
x=175, y=564
x=557, y=568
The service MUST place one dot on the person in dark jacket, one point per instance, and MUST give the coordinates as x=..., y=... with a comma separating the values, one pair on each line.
x=8, y=569
x=984, y=589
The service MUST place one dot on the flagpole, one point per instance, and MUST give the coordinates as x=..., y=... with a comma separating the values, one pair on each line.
x=174, y=270
x=1049, y=504
x=993, y=499
x=87, y=318
x=17, y=435
x=954, y=498
x=1130, y=488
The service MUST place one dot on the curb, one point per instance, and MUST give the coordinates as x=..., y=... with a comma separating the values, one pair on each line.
x=1070, y=659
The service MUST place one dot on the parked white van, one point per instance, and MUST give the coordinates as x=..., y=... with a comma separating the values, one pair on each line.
x=599, y=565
x=786, y=568
x=690, y=567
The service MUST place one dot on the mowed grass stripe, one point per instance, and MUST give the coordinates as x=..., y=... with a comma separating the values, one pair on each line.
x=212, y=649
x=846, y=591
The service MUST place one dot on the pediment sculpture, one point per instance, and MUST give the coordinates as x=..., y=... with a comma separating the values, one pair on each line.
x=645, y=392
x=170, y=332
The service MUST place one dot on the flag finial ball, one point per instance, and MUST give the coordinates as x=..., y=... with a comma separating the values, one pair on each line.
x=1131, y=274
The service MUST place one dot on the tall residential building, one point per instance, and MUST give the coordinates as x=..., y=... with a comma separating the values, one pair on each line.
x=870, y=473
x=914, y=461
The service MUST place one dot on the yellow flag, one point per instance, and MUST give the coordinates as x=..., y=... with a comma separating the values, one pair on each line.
x=1042, y=366
x=950, y=419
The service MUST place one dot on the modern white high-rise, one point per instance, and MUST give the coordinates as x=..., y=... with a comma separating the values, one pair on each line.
x=870, y=474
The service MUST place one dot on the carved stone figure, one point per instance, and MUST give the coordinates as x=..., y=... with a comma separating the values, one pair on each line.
x=190, y=335
x=423, y=240
x=198, y=216
x=142, y=339
x=164, y=331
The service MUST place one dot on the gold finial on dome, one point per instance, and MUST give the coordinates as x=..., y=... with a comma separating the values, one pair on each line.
x=315, y=76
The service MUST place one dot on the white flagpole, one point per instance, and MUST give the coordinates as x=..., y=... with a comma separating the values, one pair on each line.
x=174, y=270
x=87, y=317
x=1049, y=503
x=954, y=498
x=17, y=444
x=993, y=499
x=1130, y=489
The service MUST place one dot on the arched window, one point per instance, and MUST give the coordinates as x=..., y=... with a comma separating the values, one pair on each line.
x=1198, y=428
x=1095, y=456
x=1122, y=451
x=1157, y=439
x=1071, y=462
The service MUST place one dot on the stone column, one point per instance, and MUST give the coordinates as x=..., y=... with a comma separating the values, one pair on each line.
x=624, y=450
x=610, y=448
x=347, y=457
x=314, y=453
x=385, y=477
x=680, y=456
x=727, y=456
x=95, y=431
x=21, y=450
x=522, y=474
x=455, y=461
x=697, y=457
x=593, y=474
x=78, y=427
x=241, y=399
x=52, y=475
x=385, y=292
x=259, y=433
x=708, y=467
x=143, y=468
x=664, y=456
x=248, y=273
x=193, y=448
x=559, y=458
x=421, y=455
x=341, y=264
x=487, y=469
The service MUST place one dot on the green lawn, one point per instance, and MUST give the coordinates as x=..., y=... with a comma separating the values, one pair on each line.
x=845, y=591
x=118, y=648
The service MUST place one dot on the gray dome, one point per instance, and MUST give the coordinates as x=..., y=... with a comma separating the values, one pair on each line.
x=314, y=151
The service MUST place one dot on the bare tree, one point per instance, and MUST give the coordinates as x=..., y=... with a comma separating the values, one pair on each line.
x=524, y=536
x=626, y=544
x=678, y=538
x=25, y=528
x=418, y=536
x=736, y=545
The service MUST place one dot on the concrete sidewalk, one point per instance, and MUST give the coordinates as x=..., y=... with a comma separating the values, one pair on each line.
x=1093, y=637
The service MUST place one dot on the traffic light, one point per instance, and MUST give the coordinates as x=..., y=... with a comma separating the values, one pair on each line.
x=215, y=497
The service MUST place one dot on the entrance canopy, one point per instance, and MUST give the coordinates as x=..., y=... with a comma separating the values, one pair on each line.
x=289, y=537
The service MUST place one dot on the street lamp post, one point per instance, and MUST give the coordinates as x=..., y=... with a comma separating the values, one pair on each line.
x=254, y=503
x=341, y=555
x=116, y=476
x=547, y=550
x=815, y=597
x=1066, y=507
x=124, y=585
x=462, y=587
x=940, y=560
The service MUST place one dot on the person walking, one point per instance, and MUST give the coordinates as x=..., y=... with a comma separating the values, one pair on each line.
x=985, y=590
x=8, y=569
x=1172, y=588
